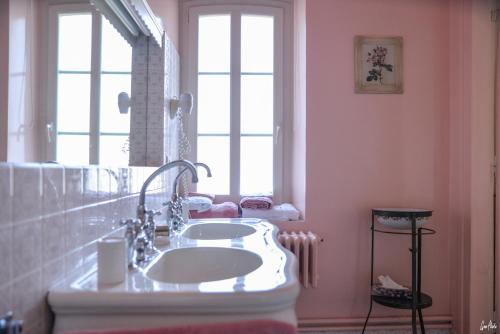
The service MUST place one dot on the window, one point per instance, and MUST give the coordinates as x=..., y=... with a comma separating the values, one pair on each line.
x=235, y=70
x=90, y=64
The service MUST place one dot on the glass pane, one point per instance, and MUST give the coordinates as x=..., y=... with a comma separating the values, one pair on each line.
x=114, y=150
x=73, y=102
x=214, y=151
x=214, y=43
x=257, y=104
x=257, y=43
x=73, y=149
x=256, y=169
x=116, y=52
x=213, y=104
x=111, y=119
x=74, y=43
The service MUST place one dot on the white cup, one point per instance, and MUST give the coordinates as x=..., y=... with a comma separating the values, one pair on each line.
x=111, y=260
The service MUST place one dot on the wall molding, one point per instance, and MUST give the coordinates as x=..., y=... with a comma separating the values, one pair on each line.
x=328, y=324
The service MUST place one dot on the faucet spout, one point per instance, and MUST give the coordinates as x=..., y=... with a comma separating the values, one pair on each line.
x=178, y=177
x=141, y=209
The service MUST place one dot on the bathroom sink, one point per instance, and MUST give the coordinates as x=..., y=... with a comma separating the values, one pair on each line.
x=213, y=231
x=202, y=264
x=192, y=281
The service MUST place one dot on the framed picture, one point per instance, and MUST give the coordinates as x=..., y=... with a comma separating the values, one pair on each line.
x=378, y=64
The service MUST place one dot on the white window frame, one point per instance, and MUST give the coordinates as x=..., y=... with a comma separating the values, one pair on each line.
x=95, y=78
x=282, y=58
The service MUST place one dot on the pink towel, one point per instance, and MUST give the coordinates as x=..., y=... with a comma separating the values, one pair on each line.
x=211, y=196
x=256, y=202
x=245, y=327
x=222, y=210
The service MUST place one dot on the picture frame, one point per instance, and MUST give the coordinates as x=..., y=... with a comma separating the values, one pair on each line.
x=378, y=64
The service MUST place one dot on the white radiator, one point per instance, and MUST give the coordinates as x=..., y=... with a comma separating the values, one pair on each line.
x=305, y=246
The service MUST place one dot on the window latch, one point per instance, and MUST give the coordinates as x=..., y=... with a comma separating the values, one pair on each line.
x=277, y=134
x=50, y=130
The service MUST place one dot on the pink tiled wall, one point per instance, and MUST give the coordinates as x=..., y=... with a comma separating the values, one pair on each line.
x=50, y=219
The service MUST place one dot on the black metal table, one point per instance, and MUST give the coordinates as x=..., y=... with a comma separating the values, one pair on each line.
x=418, y=300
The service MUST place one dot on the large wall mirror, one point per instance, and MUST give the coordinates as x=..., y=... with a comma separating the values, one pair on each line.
x=74, y=68
x=90, y=78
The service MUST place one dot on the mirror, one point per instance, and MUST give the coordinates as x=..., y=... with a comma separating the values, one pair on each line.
x=132, y=18
x=73, y=102
x=93, y=66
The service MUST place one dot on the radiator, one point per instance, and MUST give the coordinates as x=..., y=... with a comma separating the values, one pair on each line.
x=305, y=246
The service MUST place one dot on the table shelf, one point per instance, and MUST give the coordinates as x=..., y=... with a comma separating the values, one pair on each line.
x=423, y=300
x=403, y=303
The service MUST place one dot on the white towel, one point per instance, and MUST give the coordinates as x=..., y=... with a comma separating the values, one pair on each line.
x=199, y=203
x=388, y=283
x=282, y=212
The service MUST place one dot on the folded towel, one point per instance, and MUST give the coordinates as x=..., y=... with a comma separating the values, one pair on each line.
x=256, y=202
x=244, y=327
x=282, y=212
x=387, y=283
x=211, y=196
x=222, y=210
x=199, y=203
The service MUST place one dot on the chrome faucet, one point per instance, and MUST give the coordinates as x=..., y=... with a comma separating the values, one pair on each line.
x=141, y=208
x=175, y=189
x=145, y=239
x=175, y=206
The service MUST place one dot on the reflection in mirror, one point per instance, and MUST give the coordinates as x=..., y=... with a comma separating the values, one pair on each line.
x=93, y=67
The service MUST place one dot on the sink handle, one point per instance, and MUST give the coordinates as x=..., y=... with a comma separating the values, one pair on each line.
x=129, y=222
x=133, y=229
x=132, y=224
x=140, y=249
x=10, y=326
x=152, y=213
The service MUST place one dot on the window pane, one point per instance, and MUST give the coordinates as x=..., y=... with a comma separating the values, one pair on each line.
x=256, y=174
x=257, y=104
x=214, y=151
x=73, y=149
x=73, y=102
x=114, y=150
x=74, y=43
x=214, y=43
x=213, y=104
x=116, y=52
x=257, y=43
x=111, y=119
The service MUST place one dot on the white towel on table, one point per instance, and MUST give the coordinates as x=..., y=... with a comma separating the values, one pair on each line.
x=282, y=212
x=199, y=203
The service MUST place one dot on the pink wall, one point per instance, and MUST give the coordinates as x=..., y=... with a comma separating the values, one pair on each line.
x=460, y=83
x=168, y=11
x=366, y=151
x=472, y=68
x=23, y=140
x=4, y=78
x=299, y=114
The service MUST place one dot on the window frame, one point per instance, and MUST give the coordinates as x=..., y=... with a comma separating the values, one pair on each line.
x=95, y=79
x=282, y=58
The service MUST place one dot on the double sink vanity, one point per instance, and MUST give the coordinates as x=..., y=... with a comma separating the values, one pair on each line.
x=211, y=271
x=207, y=271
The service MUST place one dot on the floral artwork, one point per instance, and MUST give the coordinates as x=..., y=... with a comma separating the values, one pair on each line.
x=378, y=64
x=377, y=59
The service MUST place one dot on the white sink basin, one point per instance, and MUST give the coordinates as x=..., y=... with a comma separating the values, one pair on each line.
x=193, y=281
x=213, y=231
x=203, y=264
